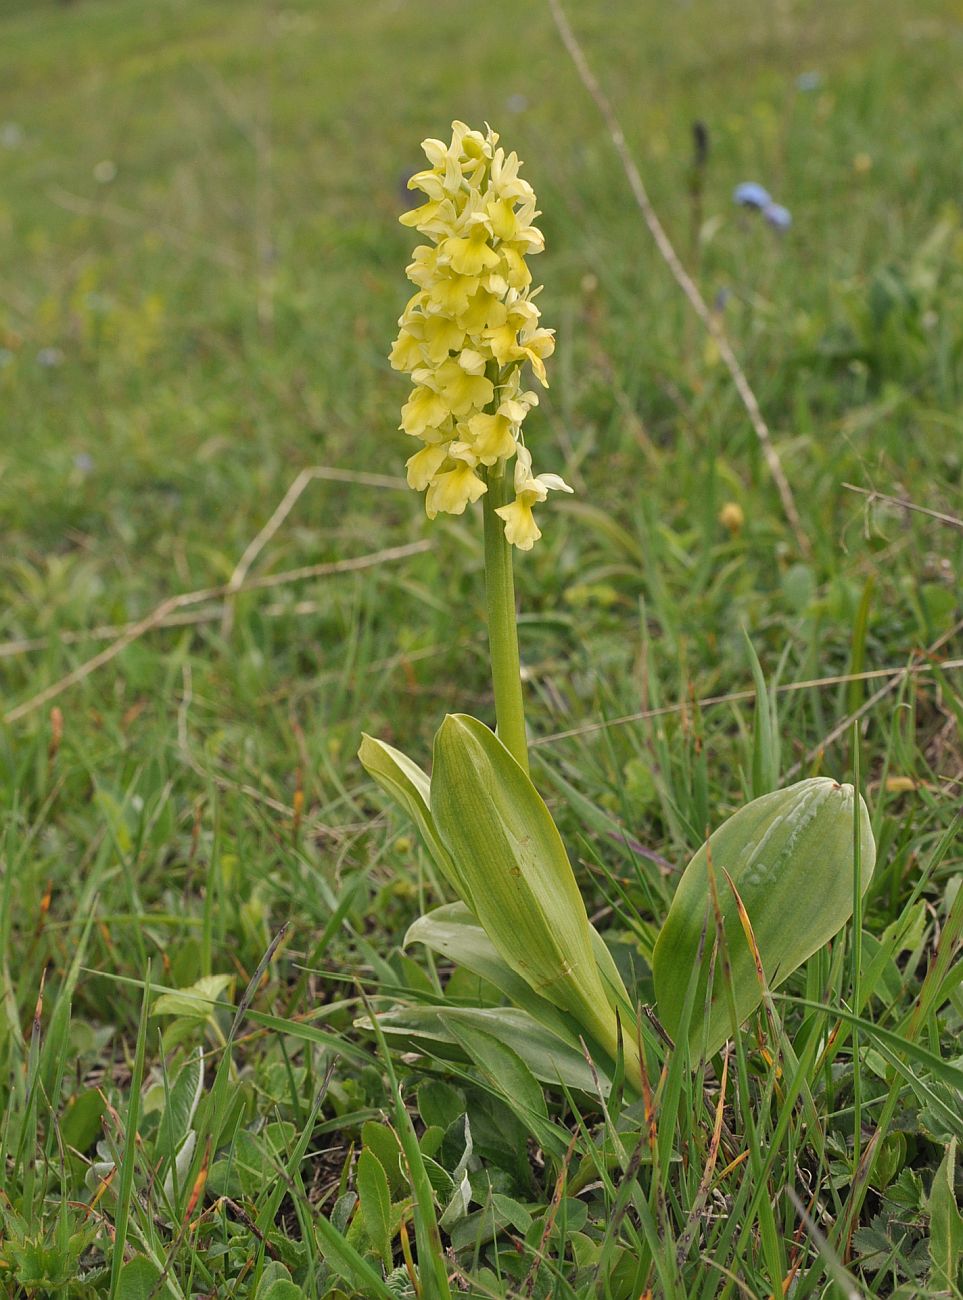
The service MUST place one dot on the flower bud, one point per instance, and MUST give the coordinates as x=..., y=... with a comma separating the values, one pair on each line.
x=732, y=518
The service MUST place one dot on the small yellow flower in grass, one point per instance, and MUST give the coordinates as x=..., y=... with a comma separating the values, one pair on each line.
x=473, y=325
x=732, y=517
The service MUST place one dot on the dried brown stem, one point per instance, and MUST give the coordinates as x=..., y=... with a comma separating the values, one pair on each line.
x=167, y=607
x=896, y=675
x=904, y=504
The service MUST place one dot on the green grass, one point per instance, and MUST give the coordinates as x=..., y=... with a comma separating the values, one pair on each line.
x=178, y=339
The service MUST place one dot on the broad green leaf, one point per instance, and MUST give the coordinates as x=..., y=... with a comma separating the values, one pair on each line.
x=506, y=1070
x=519, y=882
x=382, y=1142
x=789, y=855
x=409, y=787
x=460, y=1195
x=281, y=1289
x=439, y=1104
x=508, y=1074
x=946, y=1225
x=612, y=981
x=453, y=932
x=274, y=1271
x=890, y=1161
x=342, y=1212
x=138, y=1279
x=81, y=1122
x=347, y=1262
x=549, y=1058
x=375, y=1204
x=442, y=1183
x=585, y=1250
x=516, y=1213
x=475, y=1231
x=198, y=1001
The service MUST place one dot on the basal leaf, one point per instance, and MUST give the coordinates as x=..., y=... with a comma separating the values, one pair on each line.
x=549, y=1058
x=196, y=1002
x=375, y=1204
x=946, y=1224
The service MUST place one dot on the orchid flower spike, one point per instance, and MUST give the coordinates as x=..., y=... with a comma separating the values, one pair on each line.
x=470, y=328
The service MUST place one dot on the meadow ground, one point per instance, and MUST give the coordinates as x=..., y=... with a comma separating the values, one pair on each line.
x=200, y=273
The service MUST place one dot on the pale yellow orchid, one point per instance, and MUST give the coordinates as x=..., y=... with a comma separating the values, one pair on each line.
x=465, y=336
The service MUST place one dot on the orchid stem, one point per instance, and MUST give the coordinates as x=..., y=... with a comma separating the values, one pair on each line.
x=502, y=621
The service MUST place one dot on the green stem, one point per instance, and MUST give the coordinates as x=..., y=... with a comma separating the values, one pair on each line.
x=502, y=625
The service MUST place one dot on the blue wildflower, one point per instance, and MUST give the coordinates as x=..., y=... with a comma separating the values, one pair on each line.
x=809, y=81
x=779, y=218
x=751, y=195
